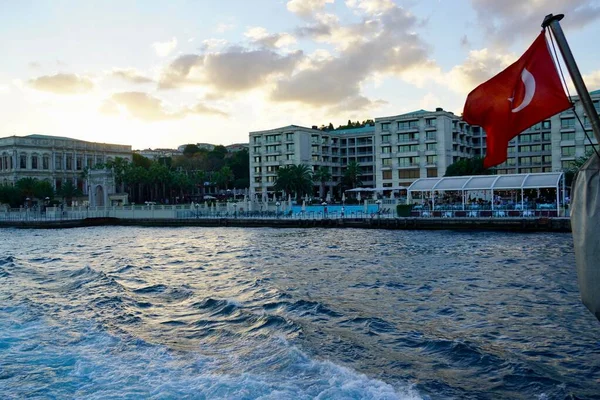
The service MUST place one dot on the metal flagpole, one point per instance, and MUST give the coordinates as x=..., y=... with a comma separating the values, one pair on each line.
x=584, y=210
x=552, y=21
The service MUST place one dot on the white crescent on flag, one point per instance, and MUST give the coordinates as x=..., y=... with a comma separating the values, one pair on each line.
x=529, y=82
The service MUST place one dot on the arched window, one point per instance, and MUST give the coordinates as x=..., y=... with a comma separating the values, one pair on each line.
x=23, y=161
x=46, y=161
x=34, y=161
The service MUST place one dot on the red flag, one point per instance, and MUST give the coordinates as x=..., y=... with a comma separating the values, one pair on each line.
x=525, y=93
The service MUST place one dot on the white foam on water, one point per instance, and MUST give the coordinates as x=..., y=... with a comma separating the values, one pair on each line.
x=39, y=357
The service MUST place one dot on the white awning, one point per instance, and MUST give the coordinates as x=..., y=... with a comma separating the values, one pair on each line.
x=488, y=182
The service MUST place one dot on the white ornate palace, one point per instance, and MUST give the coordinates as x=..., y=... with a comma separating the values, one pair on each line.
x=54, y=159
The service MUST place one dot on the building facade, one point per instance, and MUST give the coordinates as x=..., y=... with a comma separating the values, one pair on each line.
x=400, y=149
x=54, y=159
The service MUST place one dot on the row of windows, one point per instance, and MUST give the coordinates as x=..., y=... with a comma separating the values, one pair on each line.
x=43, y=162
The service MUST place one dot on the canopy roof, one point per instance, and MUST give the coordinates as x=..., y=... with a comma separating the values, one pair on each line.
x=488, y=182
x=379, y=189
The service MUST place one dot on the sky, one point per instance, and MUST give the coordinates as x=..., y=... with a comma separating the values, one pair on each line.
x=159, y=74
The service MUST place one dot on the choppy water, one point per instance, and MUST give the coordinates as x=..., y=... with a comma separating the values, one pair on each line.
x=231, y=313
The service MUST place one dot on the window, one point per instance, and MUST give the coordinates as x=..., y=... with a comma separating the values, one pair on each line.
x=567, y=164
x=314, y=148
x=385, y=126
x=257, y=170
x=385, y=138
x=408, y=173
x=273, y=148
x=79, y=163
x=386, y=162
x=34, y=161
x=430, y=122
x=408, y=125
x=547, y=159
x=387, y=174
x=431, y=160
x=69, y=159
x=431, y=146
x=546, y=136
x=546, y=147
x=546, y=125
x=58, y=162
x=408, y=137
x=289, y=136
x=408, y=161
x=257, y=159
x=272, y=158
x=289, y=157
x=289, y=147
x=386, y=149
x=431, y=136
x=272, y=138
x=567, y=123
x=90, y=161
x=272, y=169
x=99, y=160
x=596, y=105
x=256, y=149
x=257, y=139
x=23, y=161
x=45, y=161
x=432, y=172
x=408, y=148
x=567, y=136
x=568, y=151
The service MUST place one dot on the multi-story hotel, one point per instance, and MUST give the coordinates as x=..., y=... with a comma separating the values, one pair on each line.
x=399, y=149
x=54, y=159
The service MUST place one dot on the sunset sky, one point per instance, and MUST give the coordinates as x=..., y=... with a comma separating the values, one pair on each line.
x=163, y=73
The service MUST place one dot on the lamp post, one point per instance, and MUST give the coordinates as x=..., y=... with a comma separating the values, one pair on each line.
x=324, y=204
x=46, y=203
x=234, y=210
x=378, y=202
x=197, y=214
x=27, y=200
x=277, y=209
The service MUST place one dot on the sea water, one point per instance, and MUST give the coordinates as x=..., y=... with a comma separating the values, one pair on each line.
x=231, y=313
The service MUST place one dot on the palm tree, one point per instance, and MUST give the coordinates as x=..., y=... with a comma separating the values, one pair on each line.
x=67, y=191
x=352, y=175
x=322, y=175
x=295, y=179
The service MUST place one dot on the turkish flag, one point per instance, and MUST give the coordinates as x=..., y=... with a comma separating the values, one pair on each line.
x=525, y=93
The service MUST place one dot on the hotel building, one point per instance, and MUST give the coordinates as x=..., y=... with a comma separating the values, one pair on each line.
x=54, y=159
x=399, y=149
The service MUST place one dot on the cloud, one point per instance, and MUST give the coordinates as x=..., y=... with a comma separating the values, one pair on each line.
x=508, y=20
x=234, y=70
x=145, y=107
x=163, y=49
x=306, y=8
x=62, y=84
x=592, y=80
x=222, y=28
x=384, y=45
x=130, y=75
x=211, y=45
x=260, y=36
x=371, y=7
x=479, y=66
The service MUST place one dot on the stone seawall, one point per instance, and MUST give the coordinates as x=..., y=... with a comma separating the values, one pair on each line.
x=498, y=224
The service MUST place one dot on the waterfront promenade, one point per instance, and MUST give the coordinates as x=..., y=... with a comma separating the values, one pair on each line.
x=226, y=215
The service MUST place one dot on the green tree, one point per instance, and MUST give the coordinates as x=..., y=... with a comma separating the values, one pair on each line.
x=190, y=149
x=68, y=190
x=351, y=178
x=294, y=179
x=43, y=189
x=574, y=167
x=467, y=166
x=11, y=195
x=322, y=176
x=141, y=161
x=27, y=187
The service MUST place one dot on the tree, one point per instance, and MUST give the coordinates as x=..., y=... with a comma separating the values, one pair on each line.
x=10, y=195
x=575, y=165
x=139, y=160
x=467, y=166
x=322, y=175
x=352, y=175
x=190, y=149
x=26, y=186
x=295, y=179
x=68, y=190
x=43, y=189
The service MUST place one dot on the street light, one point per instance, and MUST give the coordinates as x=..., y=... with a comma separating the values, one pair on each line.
x=234, y=210
x=277, y=209
x=378, y=202
x=324, y=204
x=197, y=214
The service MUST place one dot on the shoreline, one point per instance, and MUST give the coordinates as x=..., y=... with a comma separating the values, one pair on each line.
x=409, y=223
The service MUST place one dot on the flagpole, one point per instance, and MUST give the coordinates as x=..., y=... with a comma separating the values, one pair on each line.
x=552, y=21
